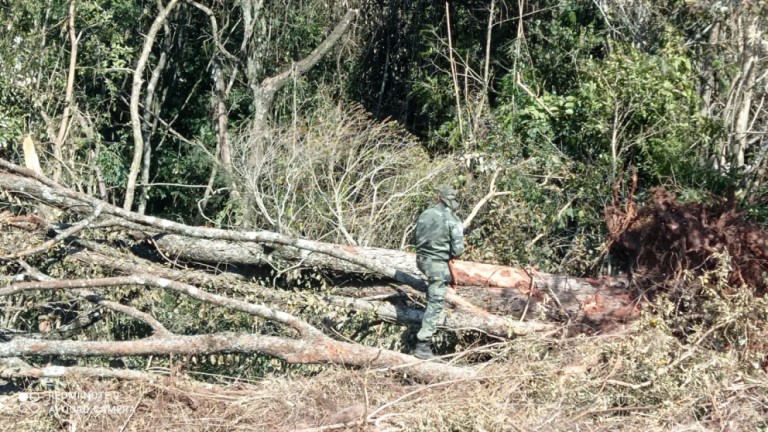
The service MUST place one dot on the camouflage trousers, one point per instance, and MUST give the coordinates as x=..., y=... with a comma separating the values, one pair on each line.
x=438, y=275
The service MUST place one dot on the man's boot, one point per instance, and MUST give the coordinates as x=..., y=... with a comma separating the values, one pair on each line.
x=423, y=351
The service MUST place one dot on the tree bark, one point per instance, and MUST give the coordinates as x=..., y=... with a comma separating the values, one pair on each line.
x=66, y=116
x=391, y=312
x=152, y=114
x=559, y=296
x=748, y=62
x=313, y=351
x=138, y=138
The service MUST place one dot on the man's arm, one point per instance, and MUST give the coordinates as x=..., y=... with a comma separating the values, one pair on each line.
x=456, y=230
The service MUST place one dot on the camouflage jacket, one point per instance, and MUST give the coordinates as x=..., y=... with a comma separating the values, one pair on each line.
x=439, y=234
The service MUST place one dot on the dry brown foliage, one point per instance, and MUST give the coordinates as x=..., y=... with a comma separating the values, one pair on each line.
x=701, y=266
x=667, y=237
x=342, y=177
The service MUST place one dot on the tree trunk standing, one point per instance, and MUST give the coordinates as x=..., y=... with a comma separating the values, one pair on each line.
x=264, y=90
x=224, y=76
x=222, y=89
x=152, y=105
x=707, y=85
x=66, y=117
x=222, y=116
x=138, y=137
x=257, y=140
x=750, y=45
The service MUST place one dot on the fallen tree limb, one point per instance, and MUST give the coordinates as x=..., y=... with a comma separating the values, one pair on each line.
x=74, y=229
x=75, y=371
x=44, y=189
x=261, y=311
x=157, y=327
x=312, y=347
x=454, y=320
x=323, y=350
x=400, y=313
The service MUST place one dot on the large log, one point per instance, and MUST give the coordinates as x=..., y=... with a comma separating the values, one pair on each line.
x=589, y=300
x=564, y=298
x=392, y=312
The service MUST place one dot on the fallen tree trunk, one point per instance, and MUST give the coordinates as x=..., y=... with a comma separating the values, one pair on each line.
x=391, y=312
x=565, y=298
x=562, y=298
x=312, y=351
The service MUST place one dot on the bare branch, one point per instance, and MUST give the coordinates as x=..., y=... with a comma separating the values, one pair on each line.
x=76, y=371
x=326, y=350
x=533, y=96
x=138, y=139
x=272, y=84
x=261, y=311
x=489, y=196
x=158, y=328
x=214, y=30
x=69, y=232
x=221, y=234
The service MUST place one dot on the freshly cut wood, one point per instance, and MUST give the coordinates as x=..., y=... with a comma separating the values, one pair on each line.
x=589, y=300
x=392, y=312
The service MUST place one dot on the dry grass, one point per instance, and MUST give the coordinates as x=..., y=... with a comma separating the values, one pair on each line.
x=642, y=380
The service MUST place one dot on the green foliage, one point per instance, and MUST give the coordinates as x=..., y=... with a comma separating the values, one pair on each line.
x=644, y=105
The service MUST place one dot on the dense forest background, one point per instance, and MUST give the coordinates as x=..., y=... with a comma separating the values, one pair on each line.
x=334, y=120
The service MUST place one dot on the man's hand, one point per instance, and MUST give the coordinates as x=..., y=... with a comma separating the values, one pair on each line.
x=453, y=275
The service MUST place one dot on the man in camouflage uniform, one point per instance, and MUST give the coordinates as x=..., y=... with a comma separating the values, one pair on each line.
x=439, y=237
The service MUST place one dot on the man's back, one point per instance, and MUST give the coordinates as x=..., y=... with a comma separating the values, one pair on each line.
x=439, y=234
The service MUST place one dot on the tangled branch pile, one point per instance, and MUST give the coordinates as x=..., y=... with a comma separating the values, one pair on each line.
x=701, y=265
x=667, y=238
